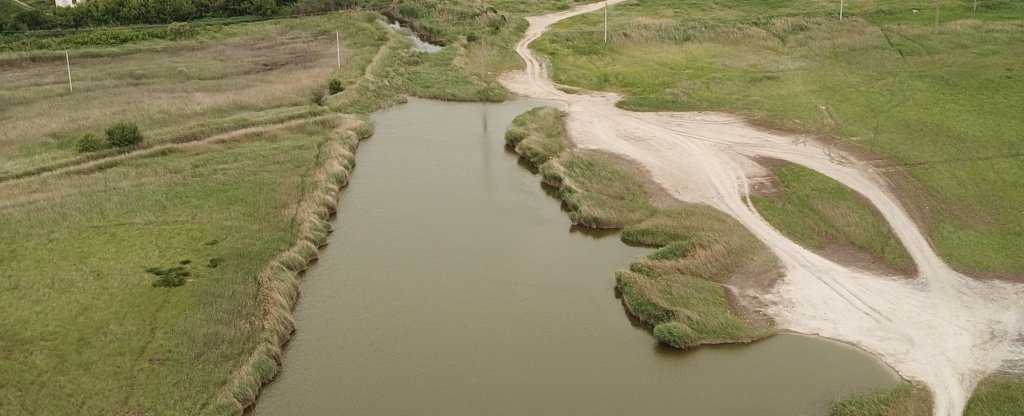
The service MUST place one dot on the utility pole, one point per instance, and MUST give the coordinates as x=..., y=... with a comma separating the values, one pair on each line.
x=337, y=38
x=606, y=22
x=67, y=59
x=841, y=10
x=975, y=5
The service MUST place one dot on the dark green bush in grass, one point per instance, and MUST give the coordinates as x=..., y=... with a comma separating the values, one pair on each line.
x=335, y=86
x=170, y=277
x=124, y=134
x=90, y=143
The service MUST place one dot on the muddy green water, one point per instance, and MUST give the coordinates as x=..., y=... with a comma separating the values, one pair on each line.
x=455, y=286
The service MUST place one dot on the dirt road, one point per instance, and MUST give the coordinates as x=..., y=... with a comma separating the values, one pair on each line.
x=942, y=328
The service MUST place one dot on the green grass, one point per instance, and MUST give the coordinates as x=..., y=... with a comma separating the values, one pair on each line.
x=905, y=400
x=819, y=213
x=85, y=331
x=243, y=75
x=677, y=290
x=997, y=396
x=90, y=333
x=940, y=105
x=10, y=8
x=537, y=135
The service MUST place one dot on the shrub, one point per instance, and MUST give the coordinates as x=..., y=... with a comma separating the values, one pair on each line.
x=89, y=143
x=335, y=86
x=124, y=134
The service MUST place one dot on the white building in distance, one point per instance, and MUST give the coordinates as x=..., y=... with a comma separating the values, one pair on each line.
x=67, y=3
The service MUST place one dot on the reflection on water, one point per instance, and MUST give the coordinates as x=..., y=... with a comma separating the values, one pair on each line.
x=454, y=285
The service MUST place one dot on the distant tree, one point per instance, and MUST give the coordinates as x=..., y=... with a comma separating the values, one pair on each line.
x=35, y=19
x=261, y=7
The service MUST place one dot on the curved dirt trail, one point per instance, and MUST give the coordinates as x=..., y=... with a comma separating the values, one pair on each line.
x=943, y=329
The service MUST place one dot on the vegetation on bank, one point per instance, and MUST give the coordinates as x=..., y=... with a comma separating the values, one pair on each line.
x=679, y=290
x=279, y=280
x=131, y=272
x=997, y=396
x=85, y=331
x=939, y=103
x=823, y=215
x=216, y=105
x=906, y=399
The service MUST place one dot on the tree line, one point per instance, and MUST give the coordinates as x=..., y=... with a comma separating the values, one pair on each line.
x=92, y=13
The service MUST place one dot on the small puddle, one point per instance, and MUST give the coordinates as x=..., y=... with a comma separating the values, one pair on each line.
x=418, y=44
x=454, y=285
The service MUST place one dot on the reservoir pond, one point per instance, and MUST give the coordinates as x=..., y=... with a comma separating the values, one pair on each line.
x=454, y=285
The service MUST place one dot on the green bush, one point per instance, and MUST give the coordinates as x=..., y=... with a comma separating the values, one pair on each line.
x=124, y=134
x=335, y=86
x=89, y=143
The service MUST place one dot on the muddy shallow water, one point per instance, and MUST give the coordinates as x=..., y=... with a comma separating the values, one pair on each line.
x=454, y=285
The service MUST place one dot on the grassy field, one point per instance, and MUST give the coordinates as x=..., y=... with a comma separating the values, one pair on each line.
x=938, y=104
x=236, y=77
x=997, y=396
x=233, y=176
x=678, y=290
x=825, y=216
x=905, y=400
x=85, y=331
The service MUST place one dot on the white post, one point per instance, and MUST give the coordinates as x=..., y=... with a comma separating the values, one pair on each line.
x=605, y=22
x=337, y=38
x=841, y=10
x=68, y=60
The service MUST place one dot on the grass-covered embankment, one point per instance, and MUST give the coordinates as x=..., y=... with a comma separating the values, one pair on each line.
x=86, y=332
x=823, y=215
x=279, y=280
x=939, y=103
x=906, y=399
x=680, y=289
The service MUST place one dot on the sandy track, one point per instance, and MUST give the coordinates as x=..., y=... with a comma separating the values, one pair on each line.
x=943, y=329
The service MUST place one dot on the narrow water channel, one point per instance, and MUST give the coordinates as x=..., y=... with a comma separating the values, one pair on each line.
x=455, y=286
